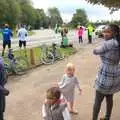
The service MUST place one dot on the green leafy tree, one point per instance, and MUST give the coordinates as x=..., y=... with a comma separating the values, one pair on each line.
x=41, y=19
x=28, y=14
x=112, y=4
x=22, y=2
x=9, y=12
x=55, y=17
x=80, y=17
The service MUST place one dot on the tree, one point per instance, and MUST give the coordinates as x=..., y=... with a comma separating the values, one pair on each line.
x=41, y=19
x=25, y=2
x=9, y=12
x=112, y=4
x=55, y=17
x=28, y=14
x=4, y=7
x=80, y=17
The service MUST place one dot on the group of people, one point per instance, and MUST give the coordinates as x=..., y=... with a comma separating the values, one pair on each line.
x=7, y=34
x=59, y=101
x=80, y=33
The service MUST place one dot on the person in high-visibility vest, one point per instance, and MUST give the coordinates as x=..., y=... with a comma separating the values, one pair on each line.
x=90, y=31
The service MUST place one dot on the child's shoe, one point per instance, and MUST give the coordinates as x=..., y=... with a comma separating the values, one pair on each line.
x=74, y=112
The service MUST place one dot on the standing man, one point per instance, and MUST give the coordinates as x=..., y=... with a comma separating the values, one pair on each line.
x=7, y=34
x=90, y=31
x=22, y=35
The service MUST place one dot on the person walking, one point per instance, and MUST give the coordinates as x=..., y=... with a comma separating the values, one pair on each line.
x=7, y=34
x=80, y=34
x=67, y=86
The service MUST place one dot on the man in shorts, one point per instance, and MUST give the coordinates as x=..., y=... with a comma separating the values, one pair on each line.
x=22, y=35
x=7, y=34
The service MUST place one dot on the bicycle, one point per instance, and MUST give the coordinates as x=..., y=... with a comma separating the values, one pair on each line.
x=16, y=65
x=50, y=54
x=58, y=54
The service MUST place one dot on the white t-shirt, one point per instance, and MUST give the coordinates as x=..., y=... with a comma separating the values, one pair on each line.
x=22, y=34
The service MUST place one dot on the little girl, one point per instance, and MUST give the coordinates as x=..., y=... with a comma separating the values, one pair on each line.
x=80, y=35
x=67, y=86
x=53, y=108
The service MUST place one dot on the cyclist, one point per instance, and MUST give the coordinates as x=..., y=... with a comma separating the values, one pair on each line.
x=7, y=34
x=22, y=35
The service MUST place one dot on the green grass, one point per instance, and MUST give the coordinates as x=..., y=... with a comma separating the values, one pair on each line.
x=68, y=51
x=37, y=53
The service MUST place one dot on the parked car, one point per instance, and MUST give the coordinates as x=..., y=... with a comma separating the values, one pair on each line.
x=99, y=30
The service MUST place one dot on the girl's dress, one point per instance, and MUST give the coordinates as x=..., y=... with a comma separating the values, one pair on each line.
x=67, y=86
x=108, y=78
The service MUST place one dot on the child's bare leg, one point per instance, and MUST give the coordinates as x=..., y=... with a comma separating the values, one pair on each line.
x=70, y=106
x=71, y=103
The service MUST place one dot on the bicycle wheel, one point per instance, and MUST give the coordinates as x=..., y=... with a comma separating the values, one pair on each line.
x=59, y=55
x=20, y=65
x=47, y=58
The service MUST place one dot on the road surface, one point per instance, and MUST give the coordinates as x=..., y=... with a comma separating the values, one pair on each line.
x=27, y=92
x=45, y=37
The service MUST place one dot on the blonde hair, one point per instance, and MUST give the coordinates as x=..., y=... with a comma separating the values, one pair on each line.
x=70, y=66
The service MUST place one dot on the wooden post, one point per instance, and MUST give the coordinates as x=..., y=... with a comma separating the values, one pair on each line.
x=32, y=57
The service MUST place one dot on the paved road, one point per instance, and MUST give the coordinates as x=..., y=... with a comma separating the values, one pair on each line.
x=27, y=92
x=44, y=37
x=40, y=37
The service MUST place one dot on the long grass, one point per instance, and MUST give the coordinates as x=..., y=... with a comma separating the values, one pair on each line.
x=36, y=52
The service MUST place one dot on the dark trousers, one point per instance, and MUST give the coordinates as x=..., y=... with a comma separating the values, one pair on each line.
x=97, y=105
x=2, y=107
x=89, y=39
x=1, y=115
x=80, y=39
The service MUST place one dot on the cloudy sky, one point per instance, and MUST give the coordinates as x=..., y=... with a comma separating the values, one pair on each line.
x=68, y=7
